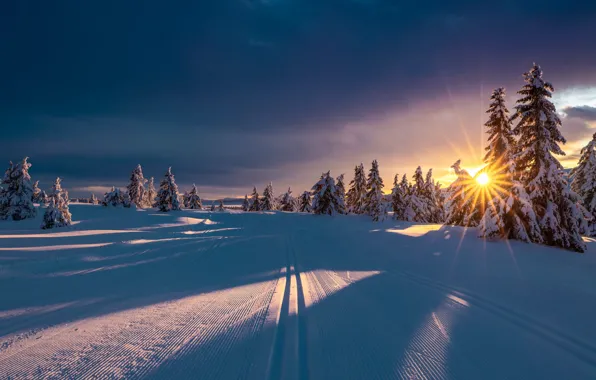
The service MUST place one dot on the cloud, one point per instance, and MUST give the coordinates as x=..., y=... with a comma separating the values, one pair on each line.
x=586, y=113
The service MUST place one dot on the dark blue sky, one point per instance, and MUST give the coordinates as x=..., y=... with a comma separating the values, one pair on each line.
x=235, y=93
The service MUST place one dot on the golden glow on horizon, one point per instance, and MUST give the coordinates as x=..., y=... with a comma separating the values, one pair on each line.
x=483, y=179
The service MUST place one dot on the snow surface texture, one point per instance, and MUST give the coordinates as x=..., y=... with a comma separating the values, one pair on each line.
x=128, y=293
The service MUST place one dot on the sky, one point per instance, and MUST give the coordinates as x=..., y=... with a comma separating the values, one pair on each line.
x=236, y=93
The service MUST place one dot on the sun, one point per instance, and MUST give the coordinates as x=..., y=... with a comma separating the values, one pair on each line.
x=483, y=179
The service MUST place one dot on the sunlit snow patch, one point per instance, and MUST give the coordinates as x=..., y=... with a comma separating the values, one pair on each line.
x=415, y=231
x=56, y=247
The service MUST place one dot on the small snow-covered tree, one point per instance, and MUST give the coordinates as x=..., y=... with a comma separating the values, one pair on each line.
x=538, y=127
x=584, y=182
x=167, y=196
x=256, y=202
x=16, y=196
x=267, y=202
x=150, y=194
x=341, y=194
x=93, y=200
x=407, y=212
x=136, y=187
x=373, y=202
x=57, y=213
x=221, y=207
x=193, y=200
x=324, y=200
x=459, y=206
x=245, y=203
x=288, y=203
x=397, y=199
x=304, y=203
x=114, y=198
x=37, y=196
x=419, y=197
x=355, y=198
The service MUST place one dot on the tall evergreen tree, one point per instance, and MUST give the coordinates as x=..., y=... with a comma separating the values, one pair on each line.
x=16, y=196
x=397, y=199
x=255, y=201
x=57, y=213
x=288, y=203
x=245, y=203
x=407, y=212
x=268, y=202
x=460, y=207
x=150, y=194
x=508, y=213
x=341, y=194
x=167, y=196
x=136, y=187
x=324, y=200
x=419, y=197
x=114, y=198
x=373, y=203
x=304, y=203
x=584, y=182
x=556, y=207
x=356, y=195
x=193, y=200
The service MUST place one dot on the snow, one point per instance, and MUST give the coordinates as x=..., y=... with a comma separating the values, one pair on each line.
x=135, y=294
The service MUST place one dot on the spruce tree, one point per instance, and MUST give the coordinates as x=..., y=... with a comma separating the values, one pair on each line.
x=193, y=200
x=324, y=200
x=245, y=203
x=432, y=199
x=16, y=196
x=341, y=194
x=288, y=203
x=397, y=199
x=221, y=207
x=584, y=182
x=556, y=207
x=419, y=199
x=150, y=194
x=167, y=196
x=37, y=194
x=407, y=213
x=373, y=202
x=356, y=195
x=114, y=198
x=256, y=202
x=304, y=203
x=93, y=200
x=508, y=213
x=460, y=208
x=268, y=202
x=136, y=187
x=57, y=213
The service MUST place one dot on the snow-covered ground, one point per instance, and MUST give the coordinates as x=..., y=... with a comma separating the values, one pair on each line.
x=135, y=294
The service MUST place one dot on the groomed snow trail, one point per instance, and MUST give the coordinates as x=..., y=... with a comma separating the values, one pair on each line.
x=137, y=294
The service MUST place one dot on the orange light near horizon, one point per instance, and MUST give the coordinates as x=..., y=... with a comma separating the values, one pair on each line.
x=483, y=179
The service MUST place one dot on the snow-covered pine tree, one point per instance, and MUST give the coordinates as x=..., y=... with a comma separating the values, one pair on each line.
x=45, y=200
x=397, y=199
x=16, y=196
x=373, y=203
x=460, y=204
x=324, y=200
x=555, y=205
x=419, y=198
x=221, y=207
x=341, y=194
x=430, y=195
x=440, y=199
x=304, y=203
x=57, y=213
x=267, y=202
x=37, y=196
x=407, y=212
x=167, y=196
x=136, y=187
x=150, y=194
x=93, y=200
x=357, y=193
x=255, y=201
x=288, y=203
x=114, y=198
x=193, y=200
x=508, y=212
x=584, y=183
x=245, y=203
